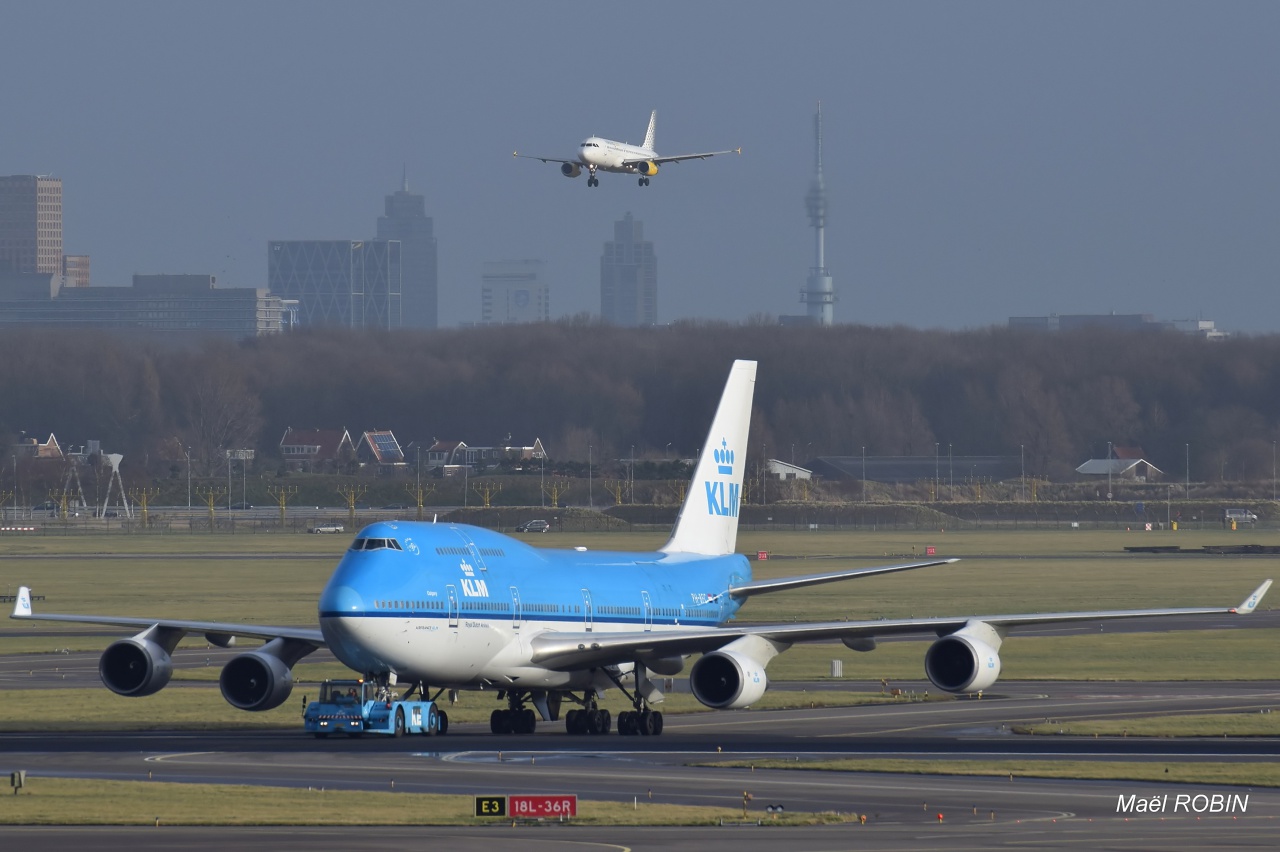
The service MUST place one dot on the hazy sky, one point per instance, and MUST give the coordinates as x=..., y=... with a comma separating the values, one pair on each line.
x=983, y=159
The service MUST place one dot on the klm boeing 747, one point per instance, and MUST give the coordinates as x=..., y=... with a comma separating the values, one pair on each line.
x=446, y=606
x=595, y=153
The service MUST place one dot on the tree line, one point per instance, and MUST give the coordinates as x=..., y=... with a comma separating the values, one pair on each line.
x=592, y=391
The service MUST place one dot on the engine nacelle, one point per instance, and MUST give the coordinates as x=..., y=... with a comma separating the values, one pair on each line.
x=665, y=666
x=570, y=170
x=966, y=661
x=726, y=680
x=135, y=667
x=256, y=681
x=647, y=168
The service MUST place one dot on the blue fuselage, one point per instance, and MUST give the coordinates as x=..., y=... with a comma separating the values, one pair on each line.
x=455, y=605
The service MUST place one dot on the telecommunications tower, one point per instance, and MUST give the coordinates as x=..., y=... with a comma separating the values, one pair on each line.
x=819, y=293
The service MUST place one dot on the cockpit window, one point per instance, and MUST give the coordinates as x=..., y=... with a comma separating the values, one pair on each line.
x=376, y=544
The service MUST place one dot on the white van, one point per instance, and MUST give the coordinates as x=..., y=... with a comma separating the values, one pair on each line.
x=1239, y=516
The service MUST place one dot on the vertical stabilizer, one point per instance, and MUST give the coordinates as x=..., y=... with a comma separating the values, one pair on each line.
x=653, y=125
x=708, y=521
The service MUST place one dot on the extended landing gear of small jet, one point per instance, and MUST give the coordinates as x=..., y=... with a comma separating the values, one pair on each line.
x=516, y=719
x=644, y=181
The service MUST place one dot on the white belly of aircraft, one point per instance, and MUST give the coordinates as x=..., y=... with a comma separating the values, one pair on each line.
x=479, y=651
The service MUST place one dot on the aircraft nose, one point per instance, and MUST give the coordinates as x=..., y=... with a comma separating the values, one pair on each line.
x=339, y=600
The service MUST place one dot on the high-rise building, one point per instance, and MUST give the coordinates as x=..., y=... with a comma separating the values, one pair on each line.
x=514, y=291
x=406, y=220
x=169, y=307
x=347, y=283
x=31, y=224
x=75, y=269
x=629, y=276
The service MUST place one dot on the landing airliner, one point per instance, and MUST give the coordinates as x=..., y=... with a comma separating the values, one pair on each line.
x=596, y=153
x=445, y=606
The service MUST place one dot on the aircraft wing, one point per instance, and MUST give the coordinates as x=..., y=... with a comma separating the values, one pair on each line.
x=657, y=161
x=782, y=584
x=575, y=650
x=545, y=159
x=219, y=630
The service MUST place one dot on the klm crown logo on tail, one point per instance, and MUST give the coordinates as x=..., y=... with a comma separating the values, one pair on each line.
x=720, y=500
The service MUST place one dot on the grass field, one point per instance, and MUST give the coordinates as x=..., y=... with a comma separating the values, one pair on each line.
x=64, y=801
x=1245, y=773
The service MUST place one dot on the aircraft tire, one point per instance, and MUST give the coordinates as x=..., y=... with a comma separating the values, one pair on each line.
x=646, y=723
x=657, y=722
x=606, y=721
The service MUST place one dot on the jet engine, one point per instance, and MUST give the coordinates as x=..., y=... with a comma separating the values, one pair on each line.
x=647, y=168
x=135, y=667
x=257, y=680
x=965, y=661
x=726, y=680
x=570, y=170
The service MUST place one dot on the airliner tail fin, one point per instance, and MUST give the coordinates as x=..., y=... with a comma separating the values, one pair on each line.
x=648, y=136
x=708, y=521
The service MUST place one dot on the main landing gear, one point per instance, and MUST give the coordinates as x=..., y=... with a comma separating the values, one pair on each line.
x=516, y=718
x=589, y=720
x=642, y=721
x=644, y=181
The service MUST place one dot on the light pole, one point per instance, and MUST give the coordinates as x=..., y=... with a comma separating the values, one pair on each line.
x=951, y=474
x=935, y=470
x=864, y=474
x=666, y=454
x=544, y=479
x=1022, y=458
x=1188, y=488
x=187, y=450
x=1108, y=470
x=631, y=475
x=591, y=500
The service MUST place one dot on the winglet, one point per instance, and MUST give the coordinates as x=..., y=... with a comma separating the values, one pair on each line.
x=1250, y=603
x=22, y=606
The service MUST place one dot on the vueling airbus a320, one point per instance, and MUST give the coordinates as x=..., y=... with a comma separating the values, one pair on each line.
x=595, y=153
x=448, y=606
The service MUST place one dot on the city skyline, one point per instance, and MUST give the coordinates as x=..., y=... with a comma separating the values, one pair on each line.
x=982, y=161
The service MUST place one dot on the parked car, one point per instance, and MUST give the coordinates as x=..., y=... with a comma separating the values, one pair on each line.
x=327, y=528
x=533, y=526
x=241, y=505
